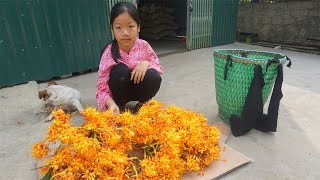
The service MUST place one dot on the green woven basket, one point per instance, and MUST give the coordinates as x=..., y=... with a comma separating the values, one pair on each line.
x=234, y=71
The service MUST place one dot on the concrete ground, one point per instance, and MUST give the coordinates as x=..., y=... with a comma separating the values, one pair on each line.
x=291, y=153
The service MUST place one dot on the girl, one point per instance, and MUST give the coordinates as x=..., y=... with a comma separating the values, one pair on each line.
x=129, y=69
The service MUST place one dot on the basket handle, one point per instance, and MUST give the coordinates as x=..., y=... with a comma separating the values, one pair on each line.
x=226, y=67
x=274, y=60
x=289, y=64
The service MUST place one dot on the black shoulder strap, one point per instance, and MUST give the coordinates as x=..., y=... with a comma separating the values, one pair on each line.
x=252, y=113
x=269, y=121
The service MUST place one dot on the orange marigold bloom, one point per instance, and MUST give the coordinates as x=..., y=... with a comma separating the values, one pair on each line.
x=40, y=150
x=157, y=143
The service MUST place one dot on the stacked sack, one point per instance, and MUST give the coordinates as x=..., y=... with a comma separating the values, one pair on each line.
x=157, y=22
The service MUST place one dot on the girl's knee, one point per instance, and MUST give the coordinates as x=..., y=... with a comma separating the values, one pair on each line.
x=119, y=68
x=153, y=76
x=152, y=81
x=120, y=72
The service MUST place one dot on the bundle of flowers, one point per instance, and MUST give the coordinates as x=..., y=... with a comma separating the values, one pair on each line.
x=156, y=143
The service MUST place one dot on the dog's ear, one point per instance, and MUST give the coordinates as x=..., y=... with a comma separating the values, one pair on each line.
x=43, y=95
x=52, y=82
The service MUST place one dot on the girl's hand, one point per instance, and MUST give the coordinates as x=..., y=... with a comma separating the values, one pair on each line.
x=112, y=106
x=139, y=71
x=114, y=109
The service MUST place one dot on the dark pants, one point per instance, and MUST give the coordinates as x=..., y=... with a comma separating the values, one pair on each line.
x=124, y=90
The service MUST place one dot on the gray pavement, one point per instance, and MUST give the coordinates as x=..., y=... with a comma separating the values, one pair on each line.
x=291, y=153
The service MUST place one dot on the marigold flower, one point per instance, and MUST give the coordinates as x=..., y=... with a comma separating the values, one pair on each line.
x=40, y=150
x=157, y=143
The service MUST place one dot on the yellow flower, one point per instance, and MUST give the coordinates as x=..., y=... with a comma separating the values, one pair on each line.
x=40, y=150
x=157, y=143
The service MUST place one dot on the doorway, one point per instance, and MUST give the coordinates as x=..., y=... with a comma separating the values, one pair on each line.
x=164, y=25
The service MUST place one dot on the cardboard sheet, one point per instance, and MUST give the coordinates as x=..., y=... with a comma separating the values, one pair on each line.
x=224, y=130
x=230, y=160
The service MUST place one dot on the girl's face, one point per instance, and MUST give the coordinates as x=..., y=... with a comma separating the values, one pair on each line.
x=125, y=31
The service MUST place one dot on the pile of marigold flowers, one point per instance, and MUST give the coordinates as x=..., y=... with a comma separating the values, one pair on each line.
x=155, y=143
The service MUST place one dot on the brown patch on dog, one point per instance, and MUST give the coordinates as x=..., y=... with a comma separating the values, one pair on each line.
x=52, y=82
x=44, y=95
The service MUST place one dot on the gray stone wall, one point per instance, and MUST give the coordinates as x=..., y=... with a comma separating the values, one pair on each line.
x=283, y=22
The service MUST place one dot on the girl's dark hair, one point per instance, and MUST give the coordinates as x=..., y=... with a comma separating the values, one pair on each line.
x=116, y=10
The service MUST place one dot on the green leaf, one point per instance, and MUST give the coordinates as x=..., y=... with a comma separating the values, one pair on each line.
x=48, y=175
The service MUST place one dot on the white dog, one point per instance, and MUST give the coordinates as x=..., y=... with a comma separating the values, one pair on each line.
x=58, y=96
